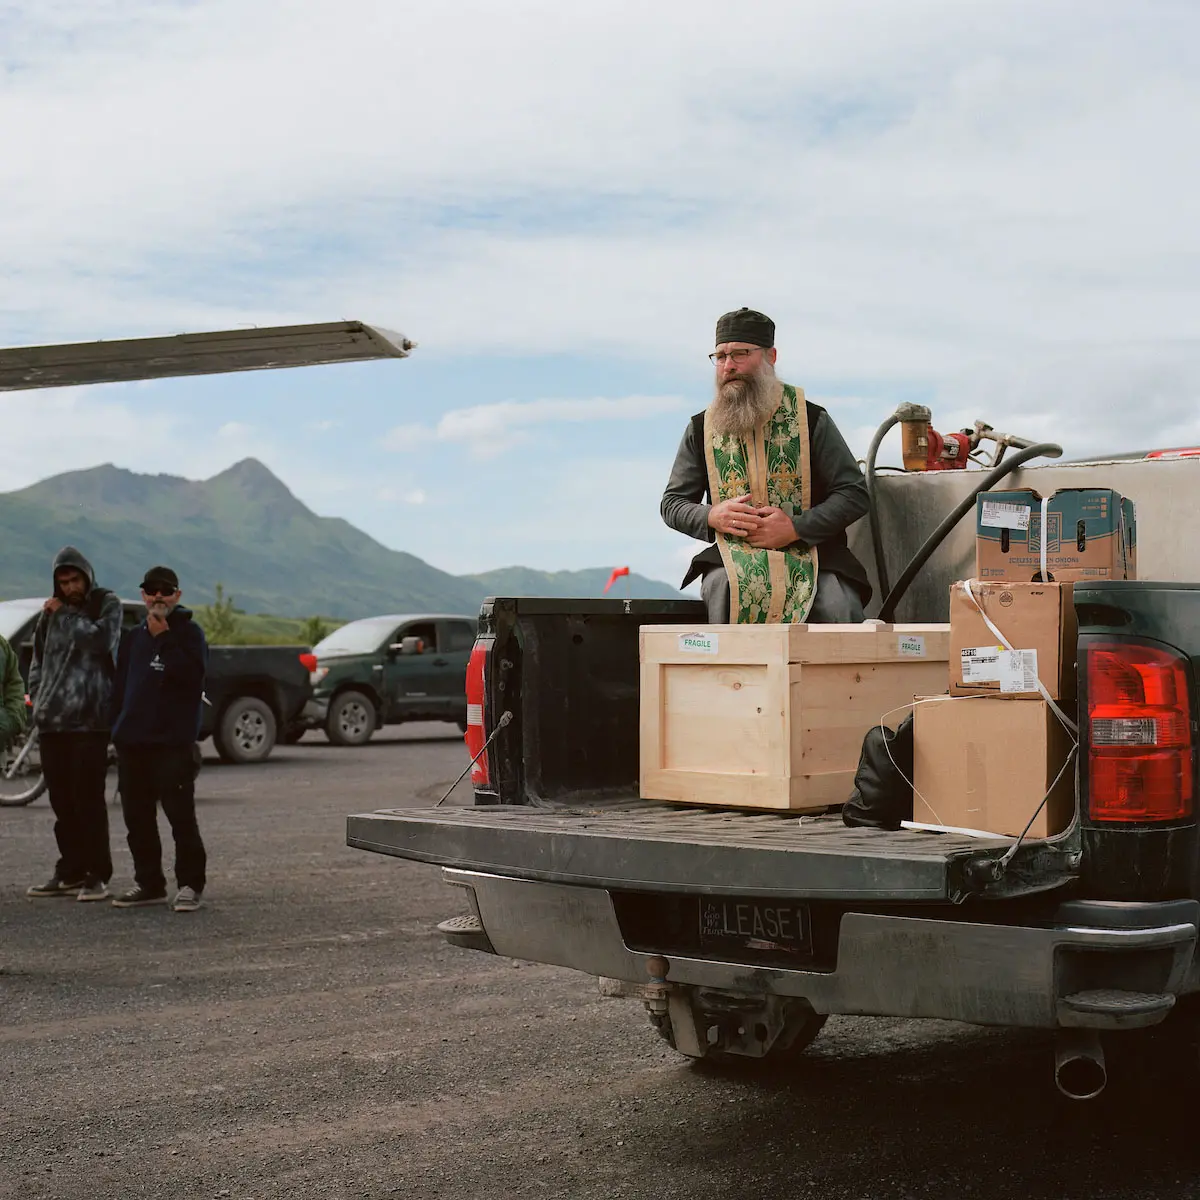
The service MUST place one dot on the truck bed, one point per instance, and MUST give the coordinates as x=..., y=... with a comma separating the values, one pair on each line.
x=630, y=843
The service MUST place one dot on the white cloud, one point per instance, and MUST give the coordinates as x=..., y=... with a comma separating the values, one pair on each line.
x=235, y=431
x=489, y=429
x=391, y=495
x=67, y=429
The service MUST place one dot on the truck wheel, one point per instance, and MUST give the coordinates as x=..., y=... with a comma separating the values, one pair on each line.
x=246, y=732
x=351, y=720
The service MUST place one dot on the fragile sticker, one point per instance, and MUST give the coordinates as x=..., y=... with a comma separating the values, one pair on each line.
x=1018, y=671
x=981, y=664
x=911, y=645
x=698, y=643
x=999, y=514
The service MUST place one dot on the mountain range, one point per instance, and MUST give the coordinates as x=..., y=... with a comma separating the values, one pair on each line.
x=245, y=529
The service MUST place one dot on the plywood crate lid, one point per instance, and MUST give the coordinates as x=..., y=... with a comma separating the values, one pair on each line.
x=865, y=643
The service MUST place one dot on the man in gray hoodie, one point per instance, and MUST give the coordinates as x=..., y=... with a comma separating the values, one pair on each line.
x=70, y=684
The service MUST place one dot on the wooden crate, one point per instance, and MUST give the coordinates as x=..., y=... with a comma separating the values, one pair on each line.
x=773, y=716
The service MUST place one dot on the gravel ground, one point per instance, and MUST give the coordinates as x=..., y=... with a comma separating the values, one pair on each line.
x=307, y=1034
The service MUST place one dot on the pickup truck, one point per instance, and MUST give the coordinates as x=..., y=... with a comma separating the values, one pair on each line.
x=390, y=669
x=254, y=693
x=257, y=695
x=560, y=861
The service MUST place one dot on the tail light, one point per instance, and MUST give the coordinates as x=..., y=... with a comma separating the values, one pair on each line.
x=315, y=673
x=476, y=736
x=1139, y=713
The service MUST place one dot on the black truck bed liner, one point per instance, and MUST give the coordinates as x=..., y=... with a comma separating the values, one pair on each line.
x=648, y=846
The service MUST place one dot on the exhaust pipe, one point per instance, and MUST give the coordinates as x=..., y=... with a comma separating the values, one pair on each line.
x=1079, y=1069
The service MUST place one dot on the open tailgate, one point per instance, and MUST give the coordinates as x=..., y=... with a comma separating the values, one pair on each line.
x=647, y=846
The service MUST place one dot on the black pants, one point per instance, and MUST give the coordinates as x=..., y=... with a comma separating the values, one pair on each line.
x=75, y=765
x=150, y=776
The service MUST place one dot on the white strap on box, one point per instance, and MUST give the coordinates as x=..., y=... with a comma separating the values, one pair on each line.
x=1045, y=539
x=966, y=586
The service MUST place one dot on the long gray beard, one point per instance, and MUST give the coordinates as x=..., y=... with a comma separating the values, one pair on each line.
x=743, y=405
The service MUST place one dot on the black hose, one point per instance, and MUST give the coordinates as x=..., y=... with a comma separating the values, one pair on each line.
x=935, y=539
x=872, y=513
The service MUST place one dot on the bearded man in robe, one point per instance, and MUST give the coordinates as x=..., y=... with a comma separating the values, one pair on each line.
x=765, y=476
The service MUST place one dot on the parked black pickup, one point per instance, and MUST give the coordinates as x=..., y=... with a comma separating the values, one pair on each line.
x=254, y=694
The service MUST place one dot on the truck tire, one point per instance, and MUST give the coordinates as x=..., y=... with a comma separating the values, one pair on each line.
x=351, y=720
x=246, y=731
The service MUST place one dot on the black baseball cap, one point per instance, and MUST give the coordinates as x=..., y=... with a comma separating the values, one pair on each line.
x=160, y=577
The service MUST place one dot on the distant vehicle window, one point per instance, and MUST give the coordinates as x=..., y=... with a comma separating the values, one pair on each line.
x=460, y=635
x=14, y=614
x=359, y=637
x=425, y=630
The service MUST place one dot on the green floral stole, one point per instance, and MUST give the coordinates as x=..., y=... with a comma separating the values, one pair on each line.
x=766, y=586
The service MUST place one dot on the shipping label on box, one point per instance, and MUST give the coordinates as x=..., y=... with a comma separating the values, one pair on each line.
x=1090, y=533
x=982, y=763
x=1038, y=621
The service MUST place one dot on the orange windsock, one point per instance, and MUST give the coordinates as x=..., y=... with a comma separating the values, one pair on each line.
x=617, y=572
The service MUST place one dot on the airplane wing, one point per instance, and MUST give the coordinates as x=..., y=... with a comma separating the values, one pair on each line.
x=75, y=363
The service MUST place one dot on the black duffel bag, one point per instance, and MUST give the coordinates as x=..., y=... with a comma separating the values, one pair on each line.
x=883, y=794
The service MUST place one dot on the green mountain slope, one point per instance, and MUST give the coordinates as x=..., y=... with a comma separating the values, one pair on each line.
x=524, y=581
x=245, y=529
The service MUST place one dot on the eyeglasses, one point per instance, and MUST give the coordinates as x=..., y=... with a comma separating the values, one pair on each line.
x=737, y=355
x=158, y=589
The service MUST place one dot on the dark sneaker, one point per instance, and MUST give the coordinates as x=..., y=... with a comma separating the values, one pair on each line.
x=55, y=886
x=138, y=897
x=93, y=889
x=186, y=900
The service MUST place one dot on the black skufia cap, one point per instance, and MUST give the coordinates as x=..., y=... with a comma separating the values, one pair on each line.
x=746, y=325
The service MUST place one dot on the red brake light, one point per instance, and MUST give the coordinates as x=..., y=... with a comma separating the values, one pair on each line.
x=1139, y=730
x=308, y=662
x=476, y=735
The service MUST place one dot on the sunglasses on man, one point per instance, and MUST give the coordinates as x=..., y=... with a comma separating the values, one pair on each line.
x=157, y=589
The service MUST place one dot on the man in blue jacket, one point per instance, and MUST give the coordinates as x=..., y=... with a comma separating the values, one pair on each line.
x=157, y=694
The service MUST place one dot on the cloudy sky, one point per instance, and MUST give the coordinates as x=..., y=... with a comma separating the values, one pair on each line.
x=990, y=207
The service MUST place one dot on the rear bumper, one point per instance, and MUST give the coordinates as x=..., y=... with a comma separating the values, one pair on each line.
x=1013, y=975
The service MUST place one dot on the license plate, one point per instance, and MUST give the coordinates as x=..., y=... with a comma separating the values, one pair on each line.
x=730, y=923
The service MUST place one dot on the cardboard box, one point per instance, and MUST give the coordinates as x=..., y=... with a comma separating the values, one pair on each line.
x=982, y=763
x=1038, y=619
x=1091, y=533
x=773, y=716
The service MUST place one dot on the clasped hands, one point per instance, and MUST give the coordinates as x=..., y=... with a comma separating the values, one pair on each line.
x=768, y=528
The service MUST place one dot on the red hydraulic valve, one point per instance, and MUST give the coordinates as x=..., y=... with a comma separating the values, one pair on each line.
x=924, y=449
